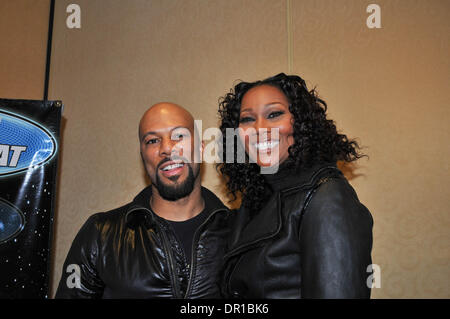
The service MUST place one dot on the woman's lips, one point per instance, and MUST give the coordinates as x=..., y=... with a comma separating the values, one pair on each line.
x=266, y=146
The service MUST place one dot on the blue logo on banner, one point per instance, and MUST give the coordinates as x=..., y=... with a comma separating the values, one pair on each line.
x=24, y=144
x=12, y=221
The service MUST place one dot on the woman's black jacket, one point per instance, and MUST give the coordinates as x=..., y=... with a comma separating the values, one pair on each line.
x=312, y=239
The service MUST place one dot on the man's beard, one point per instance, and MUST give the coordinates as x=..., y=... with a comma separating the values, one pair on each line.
x=177, y=191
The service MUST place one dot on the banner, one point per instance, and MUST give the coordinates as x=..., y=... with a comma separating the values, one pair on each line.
x=29, y=135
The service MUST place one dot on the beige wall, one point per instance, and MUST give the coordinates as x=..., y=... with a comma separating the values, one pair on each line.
x=23, y=50
x=388, y=87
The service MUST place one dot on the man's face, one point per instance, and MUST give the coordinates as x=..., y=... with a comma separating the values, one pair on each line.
x=167, y=150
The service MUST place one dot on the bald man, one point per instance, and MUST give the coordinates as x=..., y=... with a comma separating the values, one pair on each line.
x=169, y=241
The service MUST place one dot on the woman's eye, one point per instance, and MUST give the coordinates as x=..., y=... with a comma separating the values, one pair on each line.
x=275, y=114
x=245, y=119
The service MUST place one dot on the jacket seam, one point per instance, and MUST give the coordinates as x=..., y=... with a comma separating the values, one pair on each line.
x=98, y=225
x=194, y=252
x=309, y=184
x=309, y=198
x=249, y=245
x=172, y=271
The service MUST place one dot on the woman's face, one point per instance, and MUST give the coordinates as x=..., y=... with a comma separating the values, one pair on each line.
x=266, y=125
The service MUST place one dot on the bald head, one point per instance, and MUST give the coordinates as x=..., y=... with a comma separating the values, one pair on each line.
x=165, y=115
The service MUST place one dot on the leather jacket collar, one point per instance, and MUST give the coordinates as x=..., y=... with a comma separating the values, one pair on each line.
x=287, y=178
x=140, y=213
x=267, y=223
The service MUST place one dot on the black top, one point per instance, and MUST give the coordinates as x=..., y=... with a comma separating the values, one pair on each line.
x=185, y=231
x=276, y=180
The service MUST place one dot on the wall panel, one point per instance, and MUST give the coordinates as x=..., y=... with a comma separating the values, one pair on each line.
x=389, y=88
x=23, y=32
x=126, y=57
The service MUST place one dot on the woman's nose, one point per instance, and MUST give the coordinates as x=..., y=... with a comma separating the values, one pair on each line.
x=262, y=127
x=259, y=124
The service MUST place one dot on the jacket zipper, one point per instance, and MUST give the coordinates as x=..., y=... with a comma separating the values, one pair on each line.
x=194, y=252
x=172, y=271
x=169, y=255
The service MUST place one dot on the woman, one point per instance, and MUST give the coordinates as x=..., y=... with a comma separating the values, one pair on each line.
x=300, y=232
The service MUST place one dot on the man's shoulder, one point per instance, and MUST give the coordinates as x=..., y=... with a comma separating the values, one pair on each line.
x=110, y=217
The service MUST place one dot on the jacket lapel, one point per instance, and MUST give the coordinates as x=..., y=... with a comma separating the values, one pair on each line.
x=249, y=230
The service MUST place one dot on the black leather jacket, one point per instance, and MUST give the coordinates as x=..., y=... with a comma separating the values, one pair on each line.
x=312, y=239
x=130, y=252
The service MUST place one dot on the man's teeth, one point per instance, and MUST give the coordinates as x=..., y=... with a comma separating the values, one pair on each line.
x=266, y=145
x=169, y=167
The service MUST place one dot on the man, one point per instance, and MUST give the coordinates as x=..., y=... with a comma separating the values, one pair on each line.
x=169, y=241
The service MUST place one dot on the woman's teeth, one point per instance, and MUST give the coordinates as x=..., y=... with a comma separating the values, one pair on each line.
x=169, y=167
x=266, y=145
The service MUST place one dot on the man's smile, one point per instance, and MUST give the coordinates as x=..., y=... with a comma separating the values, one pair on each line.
x=171, y=168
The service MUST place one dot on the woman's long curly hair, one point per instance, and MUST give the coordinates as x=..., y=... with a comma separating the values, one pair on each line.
x=316, y=139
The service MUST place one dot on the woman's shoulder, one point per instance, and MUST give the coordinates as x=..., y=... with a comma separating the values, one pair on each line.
x=335, y=199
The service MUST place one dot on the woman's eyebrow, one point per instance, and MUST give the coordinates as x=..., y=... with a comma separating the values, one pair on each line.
x=272, y=103
x=266, y=105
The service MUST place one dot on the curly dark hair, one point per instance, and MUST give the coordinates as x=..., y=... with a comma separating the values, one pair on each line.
x=316, y=139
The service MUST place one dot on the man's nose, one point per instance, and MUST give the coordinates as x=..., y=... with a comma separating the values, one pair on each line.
x=167, y=147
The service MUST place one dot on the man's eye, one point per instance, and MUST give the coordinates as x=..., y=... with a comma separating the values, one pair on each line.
x=151, y=141
x=275, y=114
x=245, y=119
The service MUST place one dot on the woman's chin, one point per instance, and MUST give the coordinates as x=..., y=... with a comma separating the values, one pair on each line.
x=265, y=161
x=265, y=164
x=269, y=165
